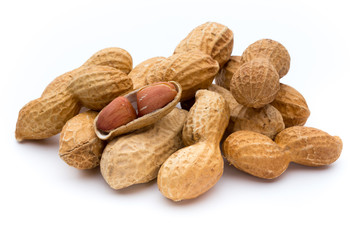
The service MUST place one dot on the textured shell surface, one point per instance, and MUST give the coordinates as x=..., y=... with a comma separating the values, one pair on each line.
x=79, y=146
x=45, y=117
x=210, y=110
x=272, y=50
x=211, y=38
x=112, y=57
x=255, y=84
x=225, y=74
x=194, y=70
x=255, y=154
x=139, y=72
x=310, y=146
x=96, y=86
x=266, y=120
x=142, y=121
x=190, y=172
x=292, y=106
x=136, y=157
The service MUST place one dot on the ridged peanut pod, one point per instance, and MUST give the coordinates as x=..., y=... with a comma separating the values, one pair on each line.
x=44, y=117
x=271, y=50
x=193, y=170
x=193, y=70
x=292, y=106
x=112, y=57
x=139, y=73
x=79, y=145
x=211, y=38
x=225, y=74
x=309, y=146
x=266, y=120
x=136, y=157
x=255, y=83
x=255, y=154
x=96, y=86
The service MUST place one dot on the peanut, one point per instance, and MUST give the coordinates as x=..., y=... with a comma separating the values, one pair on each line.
x=136, y=157
x=258, y=155
x=117, y=113
x=154, y=97
x=292, y=106
x=193, y=70
x=211, y=38
x=225, y=74
x=141, y=121
x=266, y=120
x=79, y=146
x=139, y=73
x=193, y=170
x=256, y=82
x=90, y=85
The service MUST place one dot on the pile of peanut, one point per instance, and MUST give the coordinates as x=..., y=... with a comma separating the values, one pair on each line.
x=134, y=130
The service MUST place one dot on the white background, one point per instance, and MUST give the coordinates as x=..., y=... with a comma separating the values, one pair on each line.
x=43, y=198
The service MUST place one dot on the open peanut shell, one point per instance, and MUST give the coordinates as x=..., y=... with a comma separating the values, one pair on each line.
x=143, y=121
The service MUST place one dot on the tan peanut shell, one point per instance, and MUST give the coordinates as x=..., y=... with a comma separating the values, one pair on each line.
x=59, y=84
x=310, y=146
x=292, y=106
x=255, y=83
x=112, y=57
x=44, y=117
x=136, y=157
x=193, y=170
x=96, y=86
x=79, y=146
x=258, y=155
x=194, y=70
x=143, y=121
x=211, y=38
x=266, y=120
x=138, y=74
x=271, y=50
x=255, y=154
x=225, y=74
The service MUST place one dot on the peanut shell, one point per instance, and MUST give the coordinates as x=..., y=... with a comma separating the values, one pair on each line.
x=225, y=74
x=139, y=73
x=309, y=146
x=96, y=86
x=112, y=57
x=255, y=154
x=255, y=84
x=211, y=38
x=292, y=106
x=143, y=121
x=79, y=145
x=271, y=50
x=136, y=157
x=193, y=70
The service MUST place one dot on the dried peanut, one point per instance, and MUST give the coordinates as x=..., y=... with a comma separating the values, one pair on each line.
x=225, y=74
x=211, y=38
x=292, y=106
x=79, y=146
x=258, y=155
x=255, y=83
x=136, y=157
x=112, y=57
x=139, y=73
x=194, y=70
x=309, y=146
x=193, y=170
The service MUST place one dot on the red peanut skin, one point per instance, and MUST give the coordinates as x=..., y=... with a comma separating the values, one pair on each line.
x=155, y=97
x=117, y=113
